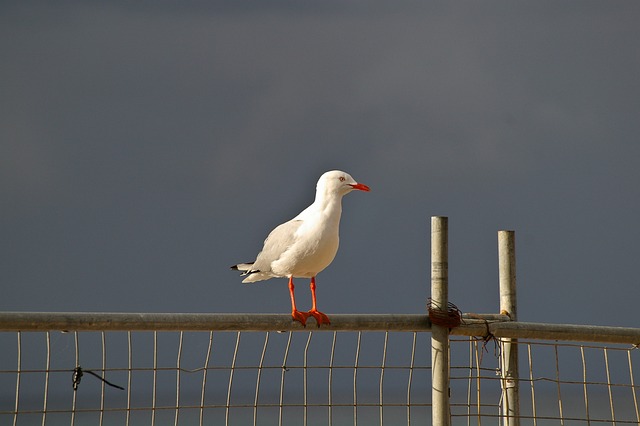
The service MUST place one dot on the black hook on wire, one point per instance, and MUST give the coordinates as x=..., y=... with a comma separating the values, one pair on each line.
x=77, y=377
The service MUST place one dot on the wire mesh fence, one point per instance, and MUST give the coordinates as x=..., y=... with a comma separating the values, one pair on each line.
x=561, y=383
x=309, y=377
x=234, y=378
x=589, y=383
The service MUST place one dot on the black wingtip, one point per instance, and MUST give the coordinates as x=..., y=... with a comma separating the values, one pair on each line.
x=234, y=267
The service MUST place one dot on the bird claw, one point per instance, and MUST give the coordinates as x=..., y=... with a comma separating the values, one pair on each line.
x=300, y=317
x=319, y=316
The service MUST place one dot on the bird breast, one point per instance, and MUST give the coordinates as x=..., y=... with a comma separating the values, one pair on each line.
x=314, y=249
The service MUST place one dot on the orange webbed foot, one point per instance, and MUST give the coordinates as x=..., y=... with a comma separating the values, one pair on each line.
x=300, y=317
x=319, y=316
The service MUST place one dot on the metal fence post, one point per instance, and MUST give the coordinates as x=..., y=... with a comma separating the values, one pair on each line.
x=440, y=414
x=508, y=306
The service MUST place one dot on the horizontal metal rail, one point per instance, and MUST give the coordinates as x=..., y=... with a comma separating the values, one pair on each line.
x=481, y=325
x=562, y=332
x=101, y=321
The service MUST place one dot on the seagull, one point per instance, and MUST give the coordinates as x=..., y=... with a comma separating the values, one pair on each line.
x=305, y=245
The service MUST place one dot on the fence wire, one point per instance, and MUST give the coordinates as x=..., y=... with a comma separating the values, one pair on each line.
x=561, y=383
x=232, y=378
x=300, y=377
x=586, y=383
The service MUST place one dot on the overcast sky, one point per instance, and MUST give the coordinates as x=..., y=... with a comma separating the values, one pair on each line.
x=145, y=147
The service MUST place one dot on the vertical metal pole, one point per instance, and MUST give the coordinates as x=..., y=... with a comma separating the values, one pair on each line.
x=508, y=306
x=440, y=414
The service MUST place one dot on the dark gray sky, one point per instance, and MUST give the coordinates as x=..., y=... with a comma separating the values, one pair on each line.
x=144, y=148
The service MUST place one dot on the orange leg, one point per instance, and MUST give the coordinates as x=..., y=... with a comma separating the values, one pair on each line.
x=314, y=312
x=295, y=313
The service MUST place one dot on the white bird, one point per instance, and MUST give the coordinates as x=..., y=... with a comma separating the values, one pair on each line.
x=307, y=244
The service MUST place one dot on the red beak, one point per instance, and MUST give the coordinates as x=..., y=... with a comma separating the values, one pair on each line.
x=361, y=187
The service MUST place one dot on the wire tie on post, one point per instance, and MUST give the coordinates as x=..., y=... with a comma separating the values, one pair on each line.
x=450, y=318
x=488, y=337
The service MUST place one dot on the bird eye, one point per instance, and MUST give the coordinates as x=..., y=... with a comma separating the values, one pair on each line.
x=342, y=179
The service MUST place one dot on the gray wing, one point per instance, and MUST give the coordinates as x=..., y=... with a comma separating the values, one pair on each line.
x=278, y=241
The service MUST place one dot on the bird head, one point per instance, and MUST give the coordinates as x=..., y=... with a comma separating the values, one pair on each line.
x=339, y=183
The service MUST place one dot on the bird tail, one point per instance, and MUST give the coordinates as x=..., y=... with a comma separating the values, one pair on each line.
x=244, y=267
x=253, y=275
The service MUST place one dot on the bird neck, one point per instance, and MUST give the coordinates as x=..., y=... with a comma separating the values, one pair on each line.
x=328, y=206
